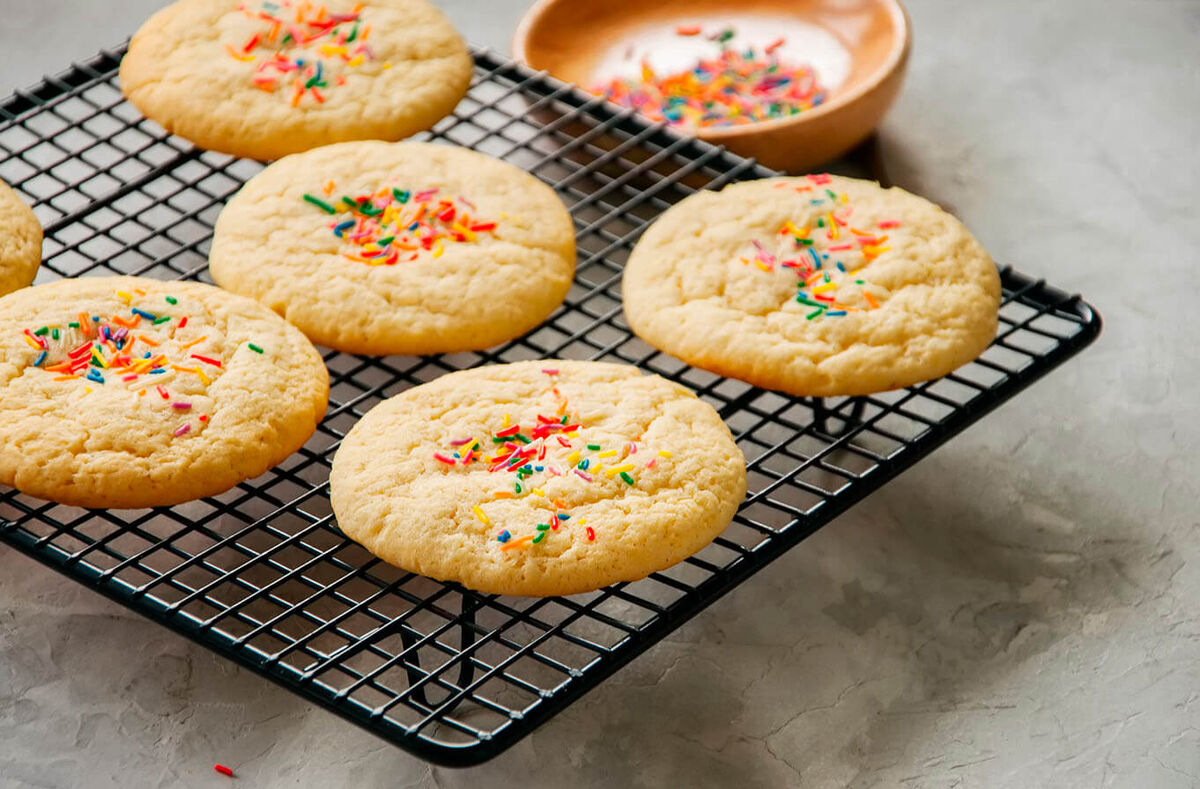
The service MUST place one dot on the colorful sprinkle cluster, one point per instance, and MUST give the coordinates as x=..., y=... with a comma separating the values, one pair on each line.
x=383, y=227
x=127, y=349
x=529, y=454
x=737, y=86
x=298, y=45
x=829, y=256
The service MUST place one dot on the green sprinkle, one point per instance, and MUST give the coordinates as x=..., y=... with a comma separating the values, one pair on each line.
x=564, y=419
x=832, y=195
x=348, y=201
x=383, y=242
x=543, y=526
x=541, y=536
x=820, y=222
x=254, y=347
x=73, y=324
x=311, y=81
x=400, y=195
x=498, y=440
x=725, y=36
x=287, y=37
x=809, y=302
x=814, y=313
x=804, y=242
x=625, y=476
x=593, y=447
x=54, y=333
x=517, y=487
x=859, y=282
x=521, y=438
x=172, y=300
x=353, y=33
x=161, y=319
x=319, y=203
x=42, y=332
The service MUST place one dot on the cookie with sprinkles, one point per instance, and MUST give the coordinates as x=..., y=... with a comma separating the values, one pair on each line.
x=20, y=241
x=130, y=392
x=398, y=248
x=816, y=286
x=538, y=478
x=265, y=78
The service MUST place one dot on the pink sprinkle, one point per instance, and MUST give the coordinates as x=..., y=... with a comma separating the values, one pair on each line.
x=186, y=427
x=421, y=197
x=868, y=240
x=443, y=458
x=467, y=202
x=460, y=442
x=886, y=223
x=130, y=377
x=652, y=462
x=182, y=406
x=550, y=370
x=632, y=448
x=820, y=178
x=840, y=247
x=585, y=477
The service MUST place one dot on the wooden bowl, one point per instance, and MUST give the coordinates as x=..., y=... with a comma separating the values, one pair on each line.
x=862, y=45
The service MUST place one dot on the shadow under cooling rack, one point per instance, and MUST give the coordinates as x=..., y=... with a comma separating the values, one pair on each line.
x=262, y=575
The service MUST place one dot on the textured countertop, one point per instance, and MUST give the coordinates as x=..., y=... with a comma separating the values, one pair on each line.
x=1019, y=610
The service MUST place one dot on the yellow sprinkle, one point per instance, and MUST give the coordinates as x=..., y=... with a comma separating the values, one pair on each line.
x=539, y=492
x=141, y=393
x=355, y=61
x=31, y=343
x=573, y=458
x=833, y=227
x=437, y=249
x=825, y=287
x=583, y=521
x=573, y=434
x=596, y=469
x=122, y=294
x=662, y=453
x=479, y=514
x=387, y=65
x=761, y=265
x=607, y=453
x=330, y=49
x=505, y=422
x=615, y=470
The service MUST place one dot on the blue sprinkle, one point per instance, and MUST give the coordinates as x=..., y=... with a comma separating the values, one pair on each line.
x=583, y=464
x=413, y=226
x=539, y=468
x=150, y=316
x=825, y=257
x=344, y=226
x=155, y=372
x=840, y=266
x=816, y=259
x=504, y=536
x=146, y=355
x=95, y=376
x=562, y=516
x=95, y=319
x=41, y=357
x=835, y=312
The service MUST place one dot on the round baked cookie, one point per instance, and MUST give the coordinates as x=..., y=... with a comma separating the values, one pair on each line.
x=20, y=241
x=265, y=78
x=538, y=478
x=131, y=392
x=405, y=248
x=816, y=286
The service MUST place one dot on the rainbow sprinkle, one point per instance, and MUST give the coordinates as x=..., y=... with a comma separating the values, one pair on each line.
x=736, y=87
x=384, y=227
x=528, y=454
x=827, y=255
x=133, y=347
x=300, y=45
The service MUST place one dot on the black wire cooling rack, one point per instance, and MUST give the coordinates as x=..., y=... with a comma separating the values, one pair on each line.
x=262, y=575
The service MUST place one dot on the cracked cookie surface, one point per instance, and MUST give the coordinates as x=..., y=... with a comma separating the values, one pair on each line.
x=398, y=248
x=819, y=286
x=268, y=78
x=130, y=392
x=538, y=478
x=20, y=241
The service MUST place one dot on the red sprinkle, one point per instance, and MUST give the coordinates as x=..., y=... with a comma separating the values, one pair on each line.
x=591, y=534
x=223, y=770
x=162, y=392
x=206, y=360
x=444, y=459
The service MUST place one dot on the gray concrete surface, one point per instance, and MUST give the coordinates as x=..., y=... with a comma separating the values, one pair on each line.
x=1018, y=611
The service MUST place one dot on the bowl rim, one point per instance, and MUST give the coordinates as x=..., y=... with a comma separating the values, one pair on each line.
x=902, y=43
